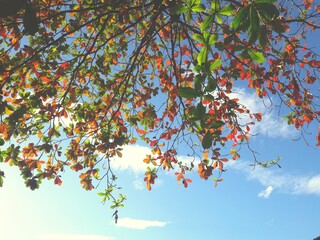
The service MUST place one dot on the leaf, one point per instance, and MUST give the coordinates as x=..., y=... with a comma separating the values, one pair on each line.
x=244, y=54
x=57, y=181
x=200, y=78
x=277, y=26
x=256, y=56
x=267, y=11
x=206, y=36
x=240, y=17
x=217, y=124
x=101, y=194
x=201, y=110
x=198, y=8
x=254, y=25
x=1, y=178
x=195, y=2
x=227, y=10
x=198, y=38
x=265, y=1
x=213, y=38
x=1, y=142
x=263, y=38
x=215, y=4
x=188, y=92
x=219, y=19
x=217, y=63
x=207, y=22
x=179, y=9
x=207, y=141
x=212, y=84
x=30, y=21
x=141, y=131
x=202, y=56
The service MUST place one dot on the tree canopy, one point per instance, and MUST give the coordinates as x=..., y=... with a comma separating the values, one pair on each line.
x=82, y=79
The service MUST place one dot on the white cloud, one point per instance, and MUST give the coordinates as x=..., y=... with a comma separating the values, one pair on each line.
x=139, y=224
x=310, y=185
x=271, y=124
x=278, y=180
x=132, y=159
x=266, y=193
x=73, y=237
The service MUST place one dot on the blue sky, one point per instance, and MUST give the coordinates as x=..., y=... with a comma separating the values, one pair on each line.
x=274, y=203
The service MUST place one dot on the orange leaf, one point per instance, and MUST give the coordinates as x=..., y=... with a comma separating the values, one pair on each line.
x=45, y=79
x=57, y=181
x=3, y=127
x=140, y=131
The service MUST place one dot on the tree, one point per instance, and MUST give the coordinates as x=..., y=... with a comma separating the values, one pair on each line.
x=84, y=78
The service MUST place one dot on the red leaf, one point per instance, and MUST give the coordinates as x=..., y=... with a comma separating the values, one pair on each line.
x=57, y=181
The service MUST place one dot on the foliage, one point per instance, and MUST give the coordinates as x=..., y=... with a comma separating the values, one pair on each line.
x=81, y=79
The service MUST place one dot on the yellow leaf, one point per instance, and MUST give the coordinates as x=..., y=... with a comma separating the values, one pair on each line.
x=7, y=111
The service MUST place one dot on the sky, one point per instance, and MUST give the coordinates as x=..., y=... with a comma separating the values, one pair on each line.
x=273, y=203
x=251, y=203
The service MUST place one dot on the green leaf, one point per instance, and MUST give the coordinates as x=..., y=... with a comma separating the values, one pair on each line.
x=215, y=5
x=277, y=27
x=207, y=141
x=200, y=78
x=195, y=2
x=202, y=56
x=188, y=92
x=263, y=38
x=240, y=18
x=212, y=84
x=213, y=38
x=267, y=11
x=201, y=110
x=199, y=69
x=265, y=1
x=198, y=38
x=219, y=19
x=256, y=56
x=207, y=22
x=1, y=181
x=179, y=9
x=1, y=142
x=217, y=63
x=208, y=97
x=254, y=25
x=198, y=8
x=217, y=124
x=101, y=194
x=206, y=36
x=244, y=54
x=227, y=10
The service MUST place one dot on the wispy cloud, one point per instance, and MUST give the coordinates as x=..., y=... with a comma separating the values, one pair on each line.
x=270, y=119
x=139, y=224
x=275, y=179
x=266, y=193
x=139, y=184
x=73, y=237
